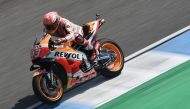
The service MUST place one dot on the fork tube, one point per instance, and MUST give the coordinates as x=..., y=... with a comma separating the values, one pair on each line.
x=52, y=80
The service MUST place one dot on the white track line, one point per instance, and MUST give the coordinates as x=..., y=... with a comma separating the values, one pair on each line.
x=156, y=44
x=135, y=55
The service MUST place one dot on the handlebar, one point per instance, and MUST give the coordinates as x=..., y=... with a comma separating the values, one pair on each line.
x=57, y=46
x=52, y=45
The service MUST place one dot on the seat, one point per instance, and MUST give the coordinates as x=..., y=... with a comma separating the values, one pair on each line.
x=88, y=28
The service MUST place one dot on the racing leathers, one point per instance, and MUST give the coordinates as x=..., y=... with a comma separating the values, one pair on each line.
x=68, y=31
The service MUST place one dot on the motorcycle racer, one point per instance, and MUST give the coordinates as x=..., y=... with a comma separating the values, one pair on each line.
x=60, y=68
x=65, y=30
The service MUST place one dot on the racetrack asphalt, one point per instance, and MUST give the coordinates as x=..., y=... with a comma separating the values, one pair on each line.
x=133, y=24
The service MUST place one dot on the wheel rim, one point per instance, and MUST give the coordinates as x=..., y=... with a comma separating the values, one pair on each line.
x=49, y=93
x=117, y=64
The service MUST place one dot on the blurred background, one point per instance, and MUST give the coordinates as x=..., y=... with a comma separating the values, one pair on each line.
x=133, y=24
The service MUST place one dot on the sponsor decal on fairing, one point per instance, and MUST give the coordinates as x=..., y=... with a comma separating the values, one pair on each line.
x=69, y=56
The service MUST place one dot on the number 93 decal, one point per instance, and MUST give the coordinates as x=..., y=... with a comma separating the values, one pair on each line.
x=35, y=53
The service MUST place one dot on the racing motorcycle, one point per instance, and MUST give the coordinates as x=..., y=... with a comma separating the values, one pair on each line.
x=59, y=68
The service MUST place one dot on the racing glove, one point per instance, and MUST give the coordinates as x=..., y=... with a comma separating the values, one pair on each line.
x=60, y=40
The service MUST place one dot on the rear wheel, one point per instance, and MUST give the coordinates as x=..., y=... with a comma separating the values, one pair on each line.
x=46, y=92
x=114, y=68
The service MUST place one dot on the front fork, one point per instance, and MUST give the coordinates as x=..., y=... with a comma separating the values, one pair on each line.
x=48, y=75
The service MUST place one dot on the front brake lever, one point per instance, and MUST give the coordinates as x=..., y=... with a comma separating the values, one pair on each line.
x=51, y=45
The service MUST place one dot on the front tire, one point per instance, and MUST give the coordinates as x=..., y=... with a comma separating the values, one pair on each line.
x=45, y=93
x=115, y=68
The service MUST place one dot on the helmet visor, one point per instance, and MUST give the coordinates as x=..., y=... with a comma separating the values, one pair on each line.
x=52, y=26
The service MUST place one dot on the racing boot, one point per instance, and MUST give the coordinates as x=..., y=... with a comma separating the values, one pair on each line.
x=87, y=65
x=95, y=51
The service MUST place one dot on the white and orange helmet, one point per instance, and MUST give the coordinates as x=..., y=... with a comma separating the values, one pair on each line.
x=51, y=21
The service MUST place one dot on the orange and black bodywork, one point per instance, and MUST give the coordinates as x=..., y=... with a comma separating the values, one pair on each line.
x=66, y=57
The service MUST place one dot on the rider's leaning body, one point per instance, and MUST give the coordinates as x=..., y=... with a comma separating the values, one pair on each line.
x=65, y=30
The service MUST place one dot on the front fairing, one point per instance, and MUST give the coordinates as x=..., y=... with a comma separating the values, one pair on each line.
x=40, y=47
x=39, y=72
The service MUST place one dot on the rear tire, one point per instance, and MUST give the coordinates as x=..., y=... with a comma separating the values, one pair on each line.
x=118, y=63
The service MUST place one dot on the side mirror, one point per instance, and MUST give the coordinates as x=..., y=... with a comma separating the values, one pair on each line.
x=33, y=68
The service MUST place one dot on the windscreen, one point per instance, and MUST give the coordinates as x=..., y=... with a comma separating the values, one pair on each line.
x=39, y=38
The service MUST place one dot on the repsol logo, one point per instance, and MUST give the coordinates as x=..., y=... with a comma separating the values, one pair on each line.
x=68, y=55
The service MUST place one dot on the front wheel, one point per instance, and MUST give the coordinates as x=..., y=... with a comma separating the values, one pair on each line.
x=114, y=68
x=46, y=92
